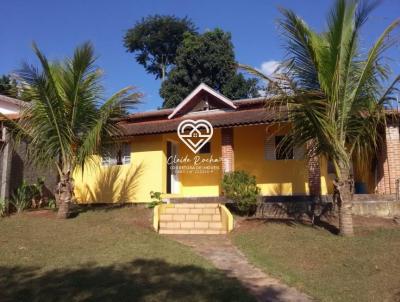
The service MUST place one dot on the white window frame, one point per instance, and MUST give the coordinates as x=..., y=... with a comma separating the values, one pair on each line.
x=125, y=149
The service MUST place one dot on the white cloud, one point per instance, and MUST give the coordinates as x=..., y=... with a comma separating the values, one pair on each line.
x=269, y=67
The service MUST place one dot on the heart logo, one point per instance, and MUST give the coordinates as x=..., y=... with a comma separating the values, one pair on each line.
x=195, y=134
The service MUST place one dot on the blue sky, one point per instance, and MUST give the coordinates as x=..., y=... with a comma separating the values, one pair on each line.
x=58, y=26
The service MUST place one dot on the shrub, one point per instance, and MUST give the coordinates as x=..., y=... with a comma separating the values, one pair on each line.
x=242, y=189
x=155, y=199
x=52, y=204
x=23, y=196
x=3, y=207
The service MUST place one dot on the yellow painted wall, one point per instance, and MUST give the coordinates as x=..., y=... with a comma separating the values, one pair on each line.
x=147, y=170
x=198, y=184
x=125, y=183
x=274, y=177
x=326, y=179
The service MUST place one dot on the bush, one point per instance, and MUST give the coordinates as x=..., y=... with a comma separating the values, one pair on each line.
x=155, y=199
x=52, y=204
x=28, y=195
x=22, y=198
x=242, y=189
x=3, y=207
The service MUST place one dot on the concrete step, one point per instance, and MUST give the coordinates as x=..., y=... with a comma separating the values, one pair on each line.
x=181, y=210
x=192, y=231
x=189, y=225
x=190, y=217
x=196, y=205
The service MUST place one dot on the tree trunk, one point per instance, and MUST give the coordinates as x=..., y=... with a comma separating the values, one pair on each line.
x=343, y=188
x=65, y=191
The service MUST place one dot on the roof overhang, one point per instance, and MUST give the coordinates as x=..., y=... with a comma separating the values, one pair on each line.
x=188, y=101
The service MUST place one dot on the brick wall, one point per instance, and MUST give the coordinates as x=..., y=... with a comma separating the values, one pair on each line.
x=314, y=171
x=314, y=176
x=389, y=160
x=227, y=149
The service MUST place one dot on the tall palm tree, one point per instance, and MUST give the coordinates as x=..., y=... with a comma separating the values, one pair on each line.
x=335, y=93
x=67, y=118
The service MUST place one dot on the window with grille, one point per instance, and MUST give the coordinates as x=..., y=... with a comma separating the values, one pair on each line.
x=274, y=150
x=116, y=155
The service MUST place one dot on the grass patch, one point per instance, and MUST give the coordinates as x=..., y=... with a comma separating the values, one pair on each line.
x=103, y=256
x=328, y=267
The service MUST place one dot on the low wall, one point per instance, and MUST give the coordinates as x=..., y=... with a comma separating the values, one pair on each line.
x=377, y=208
x=297, y=206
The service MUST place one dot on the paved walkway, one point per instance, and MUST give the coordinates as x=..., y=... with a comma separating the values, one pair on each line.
x=225, y=256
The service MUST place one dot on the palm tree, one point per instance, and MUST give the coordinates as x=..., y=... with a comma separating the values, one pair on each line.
x=67, y=119
x=334, y=92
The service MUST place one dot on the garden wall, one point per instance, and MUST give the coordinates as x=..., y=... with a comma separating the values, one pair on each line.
x=19, y=169
x=297, y=206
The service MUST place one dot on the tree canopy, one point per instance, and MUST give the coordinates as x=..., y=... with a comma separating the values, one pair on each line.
x=155, y=40
x=8, y=86
x=238, y=87
x=207, y=58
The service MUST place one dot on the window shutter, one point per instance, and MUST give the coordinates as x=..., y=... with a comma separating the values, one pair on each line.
x=299, y=152
x=269, y=148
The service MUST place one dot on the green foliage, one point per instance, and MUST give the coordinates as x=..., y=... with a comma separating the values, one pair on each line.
x=208, y=58
x=68, y=117
x=3, y=207
x=336, y=91
x=238, y=87
x=155, y=199
x=242, y=189
x=21, y=199
x=52, y=204
x=8, y=86
x=155, y=40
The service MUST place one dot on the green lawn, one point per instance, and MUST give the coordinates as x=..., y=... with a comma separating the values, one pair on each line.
x=328, y=267
x=103, y=256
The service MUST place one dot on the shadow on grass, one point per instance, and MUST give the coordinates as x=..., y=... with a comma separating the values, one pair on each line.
x=291, y=222
x=139, y=280
x=102, y=207
x=319, y=214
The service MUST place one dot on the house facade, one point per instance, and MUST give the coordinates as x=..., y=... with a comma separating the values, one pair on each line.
x=153, y=156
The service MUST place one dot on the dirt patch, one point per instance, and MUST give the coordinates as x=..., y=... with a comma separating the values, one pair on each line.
x=47, y=213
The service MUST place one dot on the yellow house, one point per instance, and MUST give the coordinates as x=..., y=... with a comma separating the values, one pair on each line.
x=219, y=136
x=154, y=158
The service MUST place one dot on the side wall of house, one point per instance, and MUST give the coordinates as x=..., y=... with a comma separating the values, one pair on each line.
x=124, y=183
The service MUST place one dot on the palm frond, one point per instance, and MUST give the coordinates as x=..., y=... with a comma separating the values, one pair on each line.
x=106, y=127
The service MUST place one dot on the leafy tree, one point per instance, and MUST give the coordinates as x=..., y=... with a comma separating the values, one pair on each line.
x=337, y=95
x=67, y=120
x=238, y=87
x=207, y=58
x=8, y=86
x=155, y=40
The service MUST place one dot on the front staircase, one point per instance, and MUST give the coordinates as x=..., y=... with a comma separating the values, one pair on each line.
x=192, y=218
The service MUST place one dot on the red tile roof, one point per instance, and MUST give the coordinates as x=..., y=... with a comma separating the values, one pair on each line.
x=218, y=119
x=11, y=100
